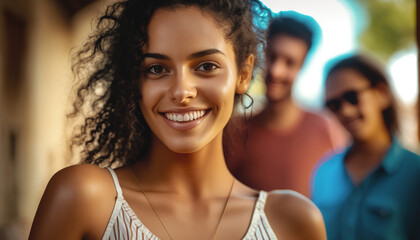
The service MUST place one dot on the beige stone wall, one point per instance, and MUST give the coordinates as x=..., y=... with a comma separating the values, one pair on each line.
x=33, y=113
x=14, y=110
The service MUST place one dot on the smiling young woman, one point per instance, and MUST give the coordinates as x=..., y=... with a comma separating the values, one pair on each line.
x=172, y=71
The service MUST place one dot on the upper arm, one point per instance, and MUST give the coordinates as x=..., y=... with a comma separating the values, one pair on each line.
x=68, y=206
x=294, y=216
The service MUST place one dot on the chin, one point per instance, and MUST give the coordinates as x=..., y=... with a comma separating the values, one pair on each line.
x=277, y=96
x=276, y=99
x=360, y=136
x=188, y=150
x=183, y=147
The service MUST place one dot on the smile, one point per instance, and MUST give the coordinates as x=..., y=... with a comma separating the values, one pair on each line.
x=185, y=117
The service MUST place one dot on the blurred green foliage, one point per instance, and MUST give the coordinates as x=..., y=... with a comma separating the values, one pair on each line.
x=390, y=26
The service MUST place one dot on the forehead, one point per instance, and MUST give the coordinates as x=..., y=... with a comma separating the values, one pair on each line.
x=343, y=80
x=286, y=44
x=183, y=28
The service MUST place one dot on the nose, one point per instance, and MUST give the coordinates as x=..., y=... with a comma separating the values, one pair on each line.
x=183, y=89
x=277, y=69
x=347, y=109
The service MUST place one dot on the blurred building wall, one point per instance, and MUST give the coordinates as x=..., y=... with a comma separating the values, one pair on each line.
x=36, y=38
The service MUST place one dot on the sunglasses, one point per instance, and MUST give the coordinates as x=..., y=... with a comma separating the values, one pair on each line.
x=350, y=96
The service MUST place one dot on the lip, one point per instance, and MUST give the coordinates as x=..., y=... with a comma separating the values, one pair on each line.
x=352, y=124
x=185, y=125
x=271, y=83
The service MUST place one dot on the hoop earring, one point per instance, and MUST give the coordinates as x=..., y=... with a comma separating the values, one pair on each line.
x=243, y=101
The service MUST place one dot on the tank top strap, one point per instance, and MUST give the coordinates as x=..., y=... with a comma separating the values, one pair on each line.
x=116, y=182
x=262, y=198
x=117, y=207
x=264, y=224
x=259, y=220
x=259, y=208
x=260, y=204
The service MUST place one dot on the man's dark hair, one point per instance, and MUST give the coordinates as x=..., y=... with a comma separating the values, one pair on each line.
x=293, y=24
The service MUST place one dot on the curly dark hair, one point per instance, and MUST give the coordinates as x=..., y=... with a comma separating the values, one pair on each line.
x=114, y=131
x=372, y=70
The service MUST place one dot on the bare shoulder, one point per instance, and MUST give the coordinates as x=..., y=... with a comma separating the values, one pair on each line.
x=80, y=183
x=75, y=197
x=294, y=216
x=78, y=176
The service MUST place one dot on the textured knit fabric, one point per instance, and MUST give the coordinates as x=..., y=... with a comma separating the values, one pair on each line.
x=124, y=224
x=267, y=159
x=385, y=205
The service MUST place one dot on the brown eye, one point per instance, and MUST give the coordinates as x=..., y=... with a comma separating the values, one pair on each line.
x=157, y=69
x=207, y=67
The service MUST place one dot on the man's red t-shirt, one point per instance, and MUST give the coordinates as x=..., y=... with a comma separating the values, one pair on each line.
x=267, y=159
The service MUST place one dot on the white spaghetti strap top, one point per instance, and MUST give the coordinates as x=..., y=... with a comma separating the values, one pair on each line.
x=124, y=224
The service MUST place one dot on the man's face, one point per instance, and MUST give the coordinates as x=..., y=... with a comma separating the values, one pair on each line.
x=285, y=57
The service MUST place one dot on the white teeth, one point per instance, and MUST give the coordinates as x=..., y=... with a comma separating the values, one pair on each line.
x=185, y=117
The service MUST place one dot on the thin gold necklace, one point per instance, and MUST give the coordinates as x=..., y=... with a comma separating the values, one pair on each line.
x=160, y=220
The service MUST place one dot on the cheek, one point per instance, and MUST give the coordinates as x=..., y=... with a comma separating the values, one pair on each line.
x=150, y=95
x=220, y=95
x=293, y=72
x=371, y=111
x=223, y=91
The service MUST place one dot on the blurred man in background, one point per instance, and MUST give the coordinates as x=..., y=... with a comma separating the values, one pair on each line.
x=283, y=142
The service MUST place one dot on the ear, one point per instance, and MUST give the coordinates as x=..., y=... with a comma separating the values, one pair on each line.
x=384, y=95
x=245, y=75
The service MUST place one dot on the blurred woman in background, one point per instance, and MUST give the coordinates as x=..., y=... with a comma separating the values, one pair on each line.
x=371, y=189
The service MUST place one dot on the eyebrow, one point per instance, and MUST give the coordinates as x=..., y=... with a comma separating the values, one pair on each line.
x=205, y=53
x=156, y=56
x=190, y=57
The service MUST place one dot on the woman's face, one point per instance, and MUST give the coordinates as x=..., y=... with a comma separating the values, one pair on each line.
x=357, y=105
x=189, y=81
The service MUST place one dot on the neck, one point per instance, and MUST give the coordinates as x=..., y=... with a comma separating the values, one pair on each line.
x=281, y=115
x=372, y=150
x=381, y=140
x=194, y=174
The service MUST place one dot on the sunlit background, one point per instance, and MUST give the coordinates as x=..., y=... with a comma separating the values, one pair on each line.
x=36, y=37
x=384, y=29
x=343, y=23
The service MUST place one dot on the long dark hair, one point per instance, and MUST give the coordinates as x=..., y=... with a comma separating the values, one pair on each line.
x=114, y=130
x=374, y=73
